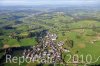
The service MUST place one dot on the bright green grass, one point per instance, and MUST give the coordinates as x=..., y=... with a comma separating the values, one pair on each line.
x=91, y=49
x=28, y=42
x=13, y=42
x=22, y=42
x=84, y=23
x=88, y=47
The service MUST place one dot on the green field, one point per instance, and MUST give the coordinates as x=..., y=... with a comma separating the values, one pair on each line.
x=84, y=32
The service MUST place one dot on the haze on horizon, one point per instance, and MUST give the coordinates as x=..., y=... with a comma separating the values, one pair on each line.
x=47, y=2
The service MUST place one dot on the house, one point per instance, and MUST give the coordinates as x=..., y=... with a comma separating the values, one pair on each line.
x=60, y=43
x=66, y=50
x=53, y=36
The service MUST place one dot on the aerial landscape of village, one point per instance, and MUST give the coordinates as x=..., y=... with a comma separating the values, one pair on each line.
x=61, y=33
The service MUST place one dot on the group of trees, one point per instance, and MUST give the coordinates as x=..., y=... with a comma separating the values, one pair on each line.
x=1, y=43
x=37, y=34
x=1, y=32
x=70, y=43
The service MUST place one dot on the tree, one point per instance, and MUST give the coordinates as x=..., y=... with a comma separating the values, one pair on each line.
x=70, y=43
x=1, y=43
x=1, y=32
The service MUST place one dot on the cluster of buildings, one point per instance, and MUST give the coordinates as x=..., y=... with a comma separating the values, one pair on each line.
x=47, y=51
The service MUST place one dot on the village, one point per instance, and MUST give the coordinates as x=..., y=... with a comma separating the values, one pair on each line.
x=47, y=51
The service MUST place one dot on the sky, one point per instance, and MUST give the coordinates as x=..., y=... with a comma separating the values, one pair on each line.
x=47, y=2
